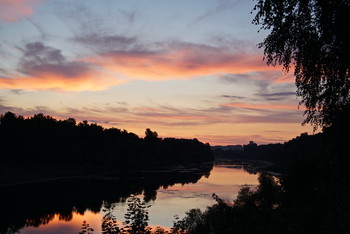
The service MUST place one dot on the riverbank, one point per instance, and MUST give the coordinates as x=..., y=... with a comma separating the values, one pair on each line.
x=253, y=166
x=12, y=176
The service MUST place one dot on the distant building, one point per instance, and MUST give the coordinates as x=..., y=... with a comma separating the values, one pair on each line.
x=228, y=147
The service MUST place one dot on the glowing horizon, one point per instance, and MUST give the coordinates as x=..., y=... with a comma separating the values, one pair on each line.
x=189, y=70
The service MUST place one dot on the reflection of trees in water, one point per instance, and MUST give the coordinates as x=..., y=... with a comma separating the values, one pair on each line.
x=109, y=221
x=250, y=166
x=37, y=204
x=136, y=220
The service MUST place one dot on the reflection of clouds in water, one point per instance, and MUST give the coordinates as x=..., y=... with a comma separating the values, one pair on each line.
x=243, y=185
x=225, y=181
x=230, y=166
x=196, y=195
x=178, y=198
x=168, y=191
x=184, y=193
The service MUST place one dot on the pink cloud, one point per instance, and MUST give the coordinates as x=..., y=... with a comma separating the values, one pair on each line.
x=287, y=78
x=92, y=80
x=180, y=62
x=14, y=10
x=45, y=67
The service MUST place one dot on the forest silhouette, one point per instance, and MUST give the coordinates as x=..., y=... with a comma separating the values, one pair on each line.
x=43, y=140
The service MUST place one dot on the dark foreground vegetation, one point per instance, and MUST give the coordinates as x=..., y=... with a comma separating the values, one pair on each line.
x=64, y=145
x=311, y=196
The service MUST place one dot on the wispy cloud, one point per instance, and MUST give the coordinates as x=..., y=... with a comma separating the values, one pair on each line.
x=14, y=10
x=3, y=71
x=258, y=77
x=4, y=107
x=39, y=28
x=279, y=94
x=130, y=16
x=233, y=97
x=105, y=43
x=42, y=66
x=125, y=52
x=260, y=106
x=88, y=26
x=178, y=59
x=220, y=6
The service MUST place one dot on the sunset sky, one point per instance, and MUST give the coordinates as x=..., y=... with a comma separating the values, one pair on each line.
x=187, y=69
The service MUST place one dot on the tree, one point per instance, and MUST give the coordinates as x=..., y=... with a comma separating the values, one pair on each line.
x=109, y=222
x=313, y=36
x=136, y=218
x=10, y=119
x=149, y=135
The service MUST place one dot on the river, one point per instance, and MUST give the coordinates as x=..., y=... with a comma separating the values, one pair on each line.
x=62, y=206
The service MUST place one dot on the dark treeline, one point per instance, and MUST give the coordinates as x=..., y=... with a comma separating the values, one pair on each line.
x=281, y=155
x=33, y=205
x=45, y=140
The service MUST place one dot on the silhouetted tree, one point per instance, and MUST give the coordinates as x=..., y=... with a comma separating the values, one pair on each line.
x=86, y=229
x=10, y=118
x=251, y=146
x=136, y=218
x=109, y=221
x=151, y=136
x=70, y=121
x=43, y=139
x=313, y=36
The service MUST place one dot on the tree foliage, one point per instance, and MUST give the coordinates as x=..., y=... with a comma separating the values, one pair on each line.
x=136, y=218
x=252, y=212
x=312, y=36
x=45, y=140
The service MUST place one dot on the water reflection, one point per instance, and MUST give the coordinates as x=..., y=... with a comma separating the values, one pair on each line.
x=33, y=205
x=224, y=180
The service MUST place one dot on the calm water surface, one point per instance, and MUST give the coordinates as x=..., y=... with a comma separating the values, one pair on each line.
x=167, y=198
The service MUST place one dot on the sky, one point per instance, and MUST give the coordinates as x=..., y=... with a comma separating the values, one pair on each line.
x=186, y=69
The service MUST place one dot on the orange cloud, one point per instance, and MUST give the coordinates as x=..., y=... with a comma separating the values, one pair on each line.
x=88, y=81
x=14, y=10
x=175, y=115
x=180, y=63
x=287, y=78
